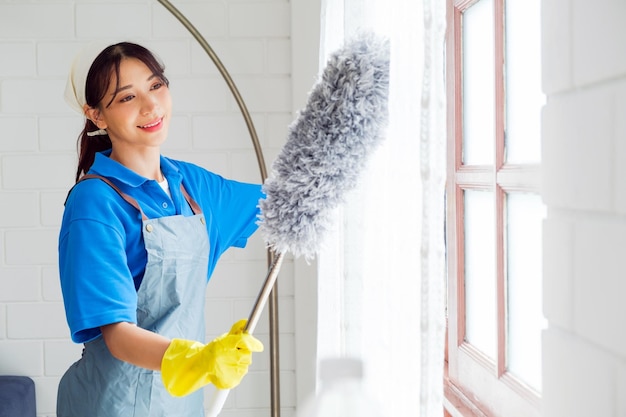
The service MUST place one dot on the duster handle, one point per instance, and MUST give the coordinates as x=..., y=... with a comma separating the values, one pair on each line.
x=220, y=395
x=270, y=280
x=217, y=402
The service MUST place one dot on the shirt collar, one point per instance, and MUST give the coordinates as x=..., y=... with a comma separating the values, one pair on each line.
x=107, y=167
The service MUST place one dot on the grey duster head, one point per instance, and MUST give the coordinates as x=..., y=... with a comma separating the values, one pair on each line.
x=327, y=147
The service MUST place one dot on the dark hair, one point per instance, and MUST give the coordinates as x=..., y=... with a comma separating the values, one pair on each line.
x=100, y=74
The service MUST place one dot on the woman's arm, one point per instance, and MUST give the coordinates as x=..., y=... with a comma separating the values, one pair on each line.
x=135, y=345
x=187, y=364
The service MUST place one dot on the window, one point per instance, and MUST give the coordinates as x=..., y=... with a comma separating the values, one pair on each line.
x=494, y=210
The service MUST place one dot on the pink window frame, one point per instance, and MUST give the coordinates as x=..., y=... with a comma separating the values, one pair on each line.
x=463, y=358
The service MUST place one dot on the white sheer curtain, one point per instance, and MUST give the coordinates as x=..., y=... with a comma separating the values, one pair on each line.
x=381, y=274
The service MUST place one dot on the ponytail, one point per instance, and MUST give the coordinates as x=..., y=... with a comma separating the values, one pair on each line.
x=88, y=146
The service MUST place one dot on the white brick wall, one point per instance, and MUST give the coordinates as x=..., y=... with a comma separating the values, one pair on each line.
x=584, y=150
x=38, y=134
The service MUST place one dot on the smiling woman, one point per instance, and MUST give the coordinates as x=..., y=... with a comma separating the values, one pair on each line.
x=136, y=118
x=134, y=266
x=126, y=95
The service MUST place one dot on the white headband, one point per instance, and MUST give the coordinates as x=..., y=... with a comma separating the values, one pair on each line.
x=75, y=87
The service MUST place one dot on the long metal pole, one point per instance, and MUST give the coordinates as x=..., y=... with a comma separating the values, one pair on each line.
x=270, y=287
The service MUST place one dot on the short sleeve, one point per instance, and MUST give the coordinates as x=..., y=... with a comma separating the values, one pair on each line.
x=96, y=282
x=238, y=212
x=234, y=212
x=231, y=208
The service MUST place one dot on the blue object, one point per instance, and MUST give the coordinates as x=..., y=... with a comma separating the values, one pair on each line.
x=17, y=396
x=101, y=250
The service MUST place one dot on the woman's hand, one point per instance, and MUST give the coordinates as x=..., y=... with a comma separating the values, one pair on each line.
x=188, y=365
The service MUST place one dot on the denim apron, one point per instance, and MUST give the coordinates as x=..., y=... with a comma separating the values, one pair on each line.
x=170, y=302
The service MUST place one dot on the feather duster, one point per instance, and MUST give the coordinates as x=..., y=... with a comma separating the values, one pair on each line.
x=327, y=147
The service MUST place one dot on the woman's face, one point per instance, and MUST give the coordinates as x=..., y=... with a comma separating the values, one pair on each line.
x=140, y=109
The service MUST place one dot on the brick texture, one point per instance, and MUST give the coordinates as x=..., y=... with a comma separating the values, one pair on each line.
x=584, y=150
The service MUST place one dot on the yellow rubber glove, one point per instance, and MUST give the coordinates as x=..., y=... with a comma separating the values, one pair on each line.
x=188, y=365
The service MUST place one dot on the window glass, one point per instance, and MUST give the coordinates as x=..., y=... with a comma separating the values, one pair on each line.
x=525, y=321
x=524, y=97
x=478, y=84
x=480, y=281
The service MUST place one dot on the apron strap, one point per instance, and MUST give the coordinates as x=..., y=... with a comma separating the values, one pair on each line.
x=192, y=203
x=122, y=194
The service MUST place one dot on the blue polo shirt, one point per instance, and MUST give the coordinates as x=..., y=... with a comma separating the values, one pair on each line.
x=102, y=256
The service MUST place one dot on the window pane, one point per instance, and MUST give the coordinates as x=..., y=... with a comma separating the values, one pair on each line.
x=478, y=84
x=525, y=214
x=524, y=97
x=480, y=281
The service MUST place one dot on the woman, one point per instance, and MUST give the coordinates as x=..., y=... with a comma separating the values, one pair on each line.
x=140, y=237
